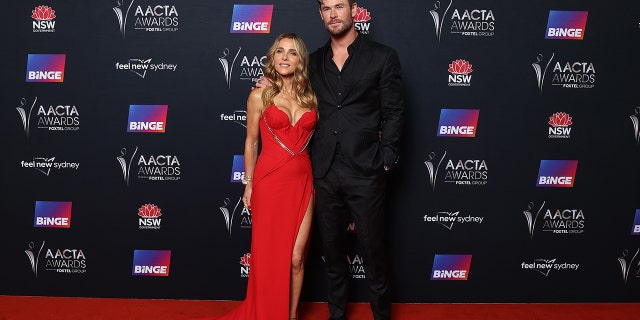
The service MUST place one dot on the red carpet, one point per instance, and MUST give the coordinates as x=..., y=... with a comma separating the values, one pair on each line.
x=55, y=308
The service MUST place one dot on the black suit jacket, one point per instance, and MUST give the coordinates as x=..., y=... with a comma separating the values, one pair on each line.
x=367, y=118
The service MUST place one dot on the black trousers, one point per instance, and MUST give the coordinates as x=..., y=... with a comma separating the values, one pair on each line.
x=342, y=194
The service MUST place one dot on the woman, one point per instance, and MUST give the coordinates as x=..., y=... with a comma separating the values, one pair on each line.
x=279, y=183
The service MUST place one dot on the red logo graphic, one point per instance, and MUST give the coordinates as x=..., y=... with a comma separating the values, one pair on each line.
x=560, y=119
x=460, y=67
x=149, y=211
x=362, y=15
x=41, y=13
x=246, y=260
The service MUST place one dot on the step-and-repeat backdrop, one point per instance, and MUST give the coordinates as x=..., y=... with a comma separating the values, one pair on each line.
x=123, y=125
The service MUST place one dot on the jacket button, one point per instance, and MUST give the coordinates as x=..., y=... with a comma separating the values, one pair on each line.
x=339, y=107
x=335, y=132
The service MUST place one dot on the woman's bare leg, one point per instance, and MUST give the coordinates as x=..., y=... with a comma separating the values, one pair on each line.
x=298, y=258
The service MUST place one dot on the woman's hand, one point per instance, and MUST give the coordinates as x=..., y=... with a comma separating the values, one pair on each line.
x=246, y=198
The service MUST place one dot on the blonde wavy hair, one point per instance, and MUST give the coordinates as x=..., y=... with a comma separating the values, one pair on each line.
x=301, y=84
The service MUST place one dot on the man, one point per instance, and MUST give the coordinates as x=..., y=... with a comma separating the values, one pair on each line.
x=358, y=84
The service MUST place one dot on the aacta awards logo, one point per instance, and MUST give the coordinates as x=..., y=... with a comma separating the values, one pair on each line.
x=70, y=261
x=540, y=67
x=229, y=214
x=60, y=117
x=251, y=67
x=122, y=13
x=362, y=18
x=464, y=22
x=356, y=266
x=33, y=253
x=227, y=67
x=149, y=217
x=467, y=172
x=574, y=75
x=433, y=165
x=162, y=167
x=630, y=265
x=43, y=19
x=566, y=74
x=560, y=125
x=158, y=18
x=635, y=119
x=558, y=221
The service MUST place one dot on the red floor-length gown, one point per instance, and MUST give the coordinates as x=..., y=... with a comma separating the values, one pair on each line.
x=282, y=188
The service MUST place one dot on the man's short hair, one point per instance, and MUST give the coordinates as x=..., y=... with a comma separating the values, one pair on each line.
x=351, y=2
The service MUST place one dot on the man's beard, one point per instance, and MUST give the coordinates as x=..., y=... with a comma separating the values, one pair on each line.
x=342, y=30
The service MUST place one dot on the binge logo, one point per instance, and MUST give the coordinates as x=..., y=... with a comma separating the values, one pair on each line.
x=251, y=18
x=458, y=123
x=451, y=267
x=237, y=170
x=52, y=214
x=636, y=224
x=147, y=118
x=566, y=25
x=152, y=263
x=45, y=67
x=557, y=173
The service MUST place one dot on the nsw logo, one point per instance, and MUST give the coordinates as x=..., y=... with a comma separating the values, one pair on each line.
x=460, y=73
x=362, y=18
x=451, y=267
x=52, y=214
x=45, y=67
x=566, y=25
x=153, y=263
x=251, y=18
x=557, y=173
x=245, y=262
x=458, y=123
x=43, y=19
x=560, y=125
x=147, y=118
x=149, y=217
